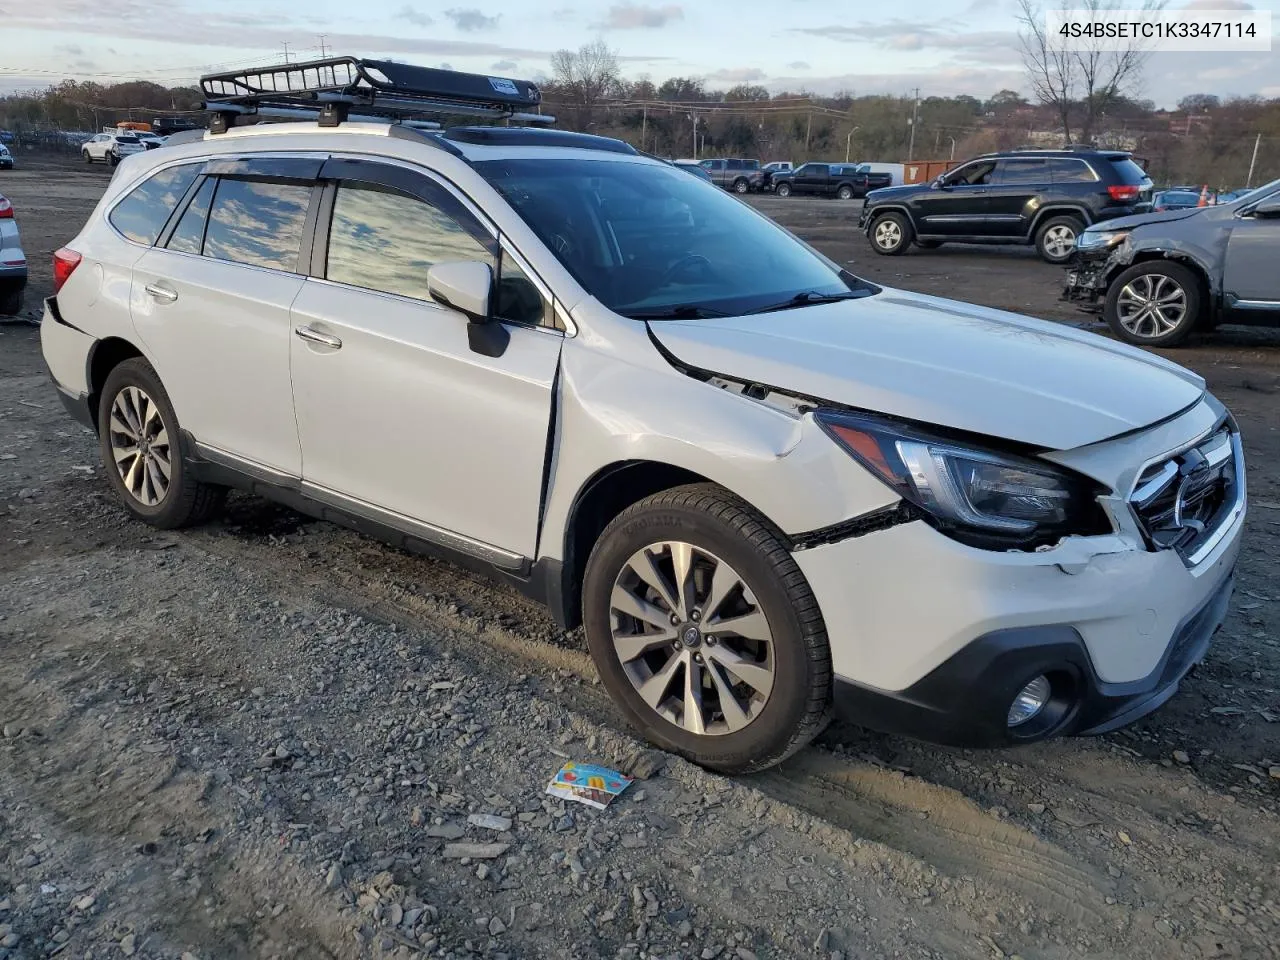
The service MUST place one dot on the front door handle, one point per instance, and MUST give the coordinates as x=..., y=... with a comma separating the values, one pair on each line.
x=315, y=336
x=159, y=291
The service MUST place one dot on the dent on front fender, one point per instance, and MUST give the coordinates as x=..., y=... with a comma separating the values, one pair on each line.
x=613, y=411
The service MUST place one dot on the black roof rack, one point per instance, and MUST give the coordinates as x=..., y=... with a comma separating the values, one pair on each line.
x=347, y=88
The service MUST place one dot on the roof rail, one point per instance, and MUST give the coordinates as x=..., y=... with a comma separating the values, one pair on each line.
x=338, y=89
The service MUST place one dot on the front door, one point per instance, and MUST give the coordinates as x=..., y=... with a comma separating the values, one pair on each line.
x=211, y=304
x=1014, y=196
x=811, y=178
x=395, y=411
x=1249, y=277
x=957, y=206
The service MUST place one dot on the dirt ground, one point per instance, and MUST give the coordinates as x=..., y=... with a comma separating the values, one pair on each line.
x=265, y=737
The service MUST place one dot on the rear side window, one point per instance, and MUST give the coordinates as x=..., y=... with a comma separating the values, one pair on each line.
x=1070, y=171
x=258, y=223
x=1129, y=172
x=142, y=214
x=385, y=240
x=1021, y=171
x=188, y=236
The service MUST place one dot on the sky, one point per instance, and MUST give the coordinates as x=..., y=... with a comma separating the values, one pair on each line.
x=942, y=47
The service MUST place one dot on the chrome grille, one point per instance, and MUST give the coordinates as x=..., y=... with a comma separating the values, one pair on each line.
x=1186, y=502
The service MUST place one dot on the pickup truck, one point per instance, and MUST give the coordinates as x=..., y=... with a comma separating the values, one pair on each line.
x=740, y=176
x=842, y=180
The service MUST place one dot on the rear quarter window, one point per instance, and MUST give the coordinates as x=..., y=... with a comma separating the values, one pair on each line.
x=1129, y=172
x=142, y=214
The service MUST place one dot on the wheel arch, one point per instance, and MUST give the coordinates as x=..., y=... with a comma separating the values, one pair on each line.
x=1058, y=210
x=892, y=208
x=104, y=356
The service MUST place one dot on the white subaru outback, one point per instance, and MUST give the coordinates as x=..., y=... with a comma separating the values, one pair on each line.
x=765, y=487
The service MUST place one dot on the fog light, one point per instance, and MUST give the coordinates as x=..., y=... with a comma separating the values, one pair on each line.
x=1029, y=701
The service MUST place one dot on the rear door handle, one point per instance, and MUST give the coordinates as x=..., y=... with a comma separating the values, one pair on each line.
x=315, y=336
x=161, y=292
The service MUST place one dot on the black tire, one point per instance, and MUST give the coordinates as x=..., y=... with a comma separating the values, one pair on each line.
x=845, y=192
x=885, y=240
x=1159, y=276
x=1048, y=234
x=928, y=244
x=186, y=501
x=741, y=185
x=783, y=189
x=113, y=159
x=706, y=516
x=11, y=298
x=87, y=158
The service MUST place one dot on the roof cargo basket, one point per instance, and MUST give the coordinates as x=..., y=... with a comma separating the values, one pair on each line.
x=337, y=89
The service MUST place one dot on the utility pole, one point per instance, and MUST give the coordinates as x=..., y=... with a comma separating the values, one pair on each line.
x=915, y=113
x=808, y=129
x=1256, y=143
x=694, y=114
x=286, y=51
x=644, y=126
x=324, y=50
x=848, y=144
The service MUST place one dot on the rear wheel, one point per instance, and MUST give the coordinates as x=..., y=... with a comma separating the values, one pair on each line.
x=783, y=190
x=741, y=185
x=705, y=631
x=139, y=435
x=113, y=159
x=1056, y=239
x=890, y=234
x=1154, y=304
x=845, y=192
x=11, y=297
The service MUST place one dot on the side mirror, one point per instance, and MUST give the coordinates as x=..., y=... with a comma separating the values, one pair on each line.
x=466, y=286
x=1268, y=208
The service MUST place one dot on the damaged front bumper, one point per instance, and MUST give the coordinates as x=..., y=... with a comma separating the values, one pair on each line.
x=1088, y=278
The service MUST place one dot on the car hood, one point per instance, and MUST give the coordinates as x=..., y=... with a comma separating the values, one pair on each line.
x=890, y=193
x=1143, y=219
x=944, y=363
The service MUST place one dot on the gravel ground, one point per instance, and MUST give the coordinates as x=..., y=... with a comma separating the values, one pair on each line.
x=268, y=738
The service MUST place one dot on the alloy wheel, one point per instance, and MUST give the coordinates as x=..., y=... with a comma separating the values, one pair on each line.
x=888, y=234
x=1151, y=305
x=140, y=446
x=1059, y=241
x=691, y=638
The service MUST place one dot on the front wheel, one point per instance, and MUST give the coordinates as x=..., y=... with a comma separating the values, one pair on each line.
x=139, y=437
x=783, y=190
x=87, y=157
x=1154, y=304
x=845, y=193
x=114, y=159
x=705, y=631
x=1056, y=239
x=890, y=234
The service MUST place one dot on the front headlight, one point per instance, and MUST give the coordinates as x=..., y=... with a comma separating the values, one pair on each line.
x=1101, y=239
x=981, y=497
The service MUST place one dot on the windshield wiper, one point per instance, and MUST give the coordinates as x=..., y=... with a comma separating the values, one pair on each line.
x=681, y=311
x=808, y=298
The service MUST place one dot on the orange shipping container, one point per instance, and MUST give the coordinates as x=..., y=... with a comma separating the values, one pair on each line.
x=922, y=171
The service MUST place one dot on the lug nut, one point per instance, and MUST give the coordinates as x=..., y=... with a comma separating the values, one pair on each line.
x=710, y=641
x=697, y=658
x=679, y=645
x=675, y=621
x=696, y=616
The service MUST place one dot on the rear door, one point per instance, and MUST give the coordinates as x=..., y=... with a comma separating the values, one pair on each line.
x=1250, y=280
x=1015, y=195
x=211, y=303
x=397, y=414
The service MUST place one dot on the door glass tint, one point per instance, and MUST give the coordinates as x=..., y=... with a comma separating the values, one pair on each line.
x=258, y=223
x=1070, y=171
x=188, y=236
x=518, y=299
x=974, y=174
x=1021, y=171
x=1129, y=172
x=142, y=214
x=385, y=240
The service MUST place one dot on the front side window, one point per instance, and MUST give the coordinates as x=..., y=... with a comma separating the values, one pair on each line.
x=258, y=223
x=142, y=214
x=519, y=300
x=385, y=240
x=975, y=174
x=650, y=242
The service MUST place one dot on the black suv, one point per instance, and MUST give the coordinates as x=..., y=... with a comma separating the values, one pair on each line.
x=1159, y=276
x=1045, y=197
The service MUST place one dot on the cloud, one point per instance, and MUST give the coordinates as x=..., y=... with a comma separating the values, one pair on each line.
x=903, y=36
x=69, y=50
x=505, y=65
x=738, y=75
x=1218, y=5
x=471, y=19
x=798, y=65
x=631, y=16
x=446, y=66
x=563, y=14
x=416, y=17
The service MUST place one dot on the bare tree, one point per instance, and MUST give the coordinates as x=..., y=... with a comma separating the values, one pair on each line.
x=1079, y=80
x=585, y=76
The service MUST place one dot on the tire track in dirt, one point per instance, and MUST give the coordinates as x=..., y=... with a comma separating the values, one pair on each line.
x=943, y=828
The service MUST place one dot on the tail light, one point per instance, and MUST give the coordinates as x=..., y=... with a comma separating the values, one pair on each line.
x=6, y=209
x=65, y=262
x=1125, y=194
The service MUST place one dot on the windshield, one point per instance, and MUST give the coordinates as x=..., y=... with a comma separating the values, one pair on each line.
x=1257, y=193
x=650, y=242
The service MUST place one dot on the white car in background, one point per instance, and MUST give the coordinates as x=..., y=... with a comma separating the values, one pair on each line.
x=111, y=148
x=766, y=487
x=13, y=262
